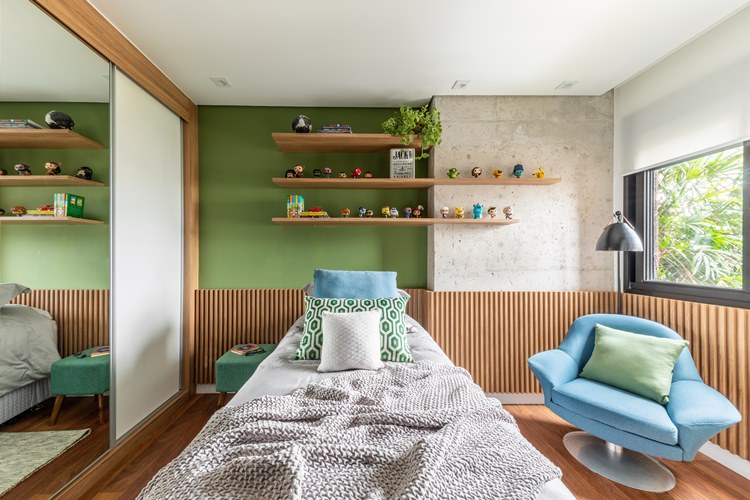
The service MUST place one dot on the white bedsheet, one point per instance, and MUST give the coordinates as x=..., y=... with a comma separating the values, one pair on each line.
x=278, y=375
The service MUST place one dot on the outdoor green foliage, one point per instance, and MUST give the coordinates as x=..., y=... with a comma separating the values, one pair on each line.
x=407, y=122
x=698, y=221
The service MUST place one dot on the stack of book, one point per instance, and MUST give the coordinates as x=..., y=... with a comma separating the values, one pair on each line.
x=100, y=351
x=18, y=123
x=335, y=128
x=37, y=213
x=245, y=349
x=68, y=205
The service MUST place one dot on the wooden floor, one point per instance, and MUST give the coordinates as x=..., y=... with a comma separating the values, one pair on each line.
x=76, y=413
x=700, y=479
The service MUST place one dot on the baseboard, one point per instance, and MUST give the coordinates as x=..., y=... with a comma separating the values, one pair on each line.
x=88, y=482
x=520, y=398
x=205, y=389
x=727, y=459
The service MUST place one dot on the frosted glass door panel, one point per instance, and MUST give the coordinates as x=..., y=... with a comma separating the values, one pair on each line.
x=147, y=253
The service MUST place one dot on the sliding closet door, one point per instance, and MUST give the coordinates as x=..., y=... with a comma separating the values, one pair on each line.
x=147, y=253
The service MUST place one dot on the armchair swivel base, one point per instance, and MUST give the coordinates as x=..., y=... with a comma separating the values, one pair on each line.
x=618, y=464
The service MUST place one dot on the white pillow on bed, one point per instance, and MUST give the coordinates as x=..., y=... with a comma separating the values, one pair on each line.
x=351, y=341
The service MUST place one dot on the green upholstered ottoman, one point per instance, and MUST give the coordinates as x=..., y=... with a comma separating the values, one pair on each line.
x=233, y=370
x=73, y=376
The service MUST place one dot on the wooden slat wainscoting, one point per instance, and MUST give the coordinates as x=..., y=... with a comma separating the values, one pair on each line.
x=492, y=334
x=82, y=316
x=720, y=344
x=262, y=315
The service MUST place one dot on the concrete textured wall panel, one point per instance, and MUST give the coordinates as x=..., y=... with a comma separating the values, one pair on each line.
x=552, y=248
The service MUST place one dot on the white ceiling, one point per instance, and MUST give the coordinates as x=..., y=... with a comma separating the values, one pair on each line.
x=40, y=61
x=388, y=52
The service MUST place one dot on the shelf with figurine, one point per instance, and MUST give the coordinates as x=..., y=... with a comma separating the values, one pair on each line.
x=46, y=180
x=382, y=221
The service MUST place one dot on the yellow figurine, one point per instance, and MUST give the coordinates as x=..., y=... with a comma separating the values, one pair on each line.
x=386, y=211
x=539, y=174
x=497, y=173
x=459, y=213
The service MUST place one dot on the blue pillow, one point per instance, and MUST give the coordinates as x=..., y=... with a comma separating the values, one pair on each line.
x=354, y=284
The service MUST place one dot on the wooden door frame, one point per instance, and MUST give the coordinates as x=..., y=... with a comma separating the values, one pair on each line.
x=86, y=23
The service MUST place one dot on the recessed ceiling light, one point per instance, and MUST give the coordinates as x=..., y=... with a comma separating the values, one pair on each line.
x=460, y=84
x=220, y=81
x=566, y=84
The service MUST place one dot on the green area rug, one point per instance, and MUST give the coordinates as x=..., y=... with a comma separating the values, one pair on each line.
x=23, y=453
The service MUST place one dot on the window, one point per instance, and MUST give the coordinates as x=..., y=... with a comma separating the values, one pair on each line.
x=693, y=217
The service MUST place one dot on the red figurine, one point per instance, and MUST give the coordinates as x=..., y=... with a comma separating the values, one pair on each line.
x=356, y=172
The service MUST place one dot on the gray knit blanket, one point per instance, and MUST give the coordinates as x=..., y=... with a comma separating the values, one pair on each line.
x=406, y=431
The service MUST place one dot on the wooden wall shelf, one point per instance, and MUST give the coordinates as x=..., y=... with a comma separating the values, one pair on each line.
x=339, y=143
x=45, y=180
x=382, y=221
x=43, y=219
x=424, y=183
x=45, y=138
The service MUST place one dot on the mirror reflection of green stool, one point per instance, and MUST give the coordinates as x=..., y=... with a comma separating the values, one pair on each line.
x=74, y=376
x=233, y=370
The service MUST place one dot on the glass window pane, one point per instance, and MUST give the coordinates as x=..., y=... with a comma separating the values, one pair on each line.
x=697, y=221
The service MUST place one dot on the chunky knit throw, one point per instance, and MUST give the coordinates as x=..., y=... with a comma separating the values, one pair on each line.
x=407, y=431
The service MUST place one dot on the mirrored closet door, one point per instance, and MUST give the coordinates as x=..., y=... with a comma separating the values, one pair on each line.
x=54, y=388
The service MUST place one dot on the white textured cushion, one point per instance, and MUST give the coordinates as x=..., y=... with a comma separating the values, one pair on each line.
x=350, y=341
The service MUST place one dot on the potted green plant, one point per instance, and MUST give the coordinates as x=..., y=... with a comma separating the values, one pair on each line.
x=408, y=122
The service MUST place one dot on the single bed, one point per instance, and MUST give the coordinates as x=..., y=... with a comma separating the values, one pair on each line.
x=279, y=375
x=28, y=347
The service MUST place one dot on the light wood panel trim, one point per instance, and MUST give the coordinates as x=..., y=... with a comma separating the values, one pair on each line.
x=492, y=334
x=720, y=346
x=228, y=317
x=191, y=247
x=85, y=22
x=82, y=316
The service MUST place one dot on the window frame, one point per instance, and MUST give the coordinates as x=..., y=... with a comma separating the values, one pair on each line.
x=637, y=204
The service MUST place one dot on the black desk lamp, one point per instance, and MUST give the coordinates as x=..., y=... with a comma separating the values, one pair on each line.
x=619, y=236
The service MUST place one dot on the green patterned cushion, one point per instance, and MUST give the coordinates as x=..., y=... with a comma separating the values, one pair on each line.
x=393, y=343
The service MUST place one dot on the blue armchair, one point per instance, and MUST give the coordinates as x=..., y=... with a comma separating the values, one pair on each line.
x=676, y=431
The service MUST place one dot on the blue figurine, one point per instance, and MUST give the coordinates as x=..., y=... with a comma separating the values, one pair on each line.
x=362, y=211
x=518, y=171
x=477, y=211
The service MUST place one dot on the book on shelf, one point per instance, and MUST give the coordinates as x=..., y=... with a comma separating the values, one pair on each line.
x=100, y=351
x=68, y=205
x=37, y=213
x=335, y=128
x=18, y=123
x=244, y=349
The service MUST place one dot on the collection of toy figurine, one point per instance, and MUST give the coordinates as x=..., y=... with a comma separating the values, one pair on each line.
x=517, y=172
x=298, y=172
x=52, y=168
x=416, y=212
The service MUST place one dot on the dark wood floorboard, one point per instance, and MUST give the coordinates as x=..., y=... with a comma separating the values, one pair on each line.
x=76, y=413
x=130, y=480
x=697, y=480
x=703, y=478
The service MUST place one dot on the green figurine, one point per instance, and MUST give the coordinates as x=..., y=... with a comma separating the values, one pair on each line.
x=453, y=173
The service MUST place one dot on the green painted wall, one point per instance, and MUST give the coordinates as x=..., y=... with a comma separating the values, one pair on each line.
x=239, y=245
x=57, y=257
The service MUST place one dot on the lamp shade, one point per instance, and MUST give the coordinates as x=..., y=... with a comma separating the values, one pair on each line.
x=619, y=236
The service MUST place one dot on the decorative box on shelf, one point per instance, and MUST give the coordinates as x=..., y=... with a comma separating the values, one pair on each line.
x=402, y=163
